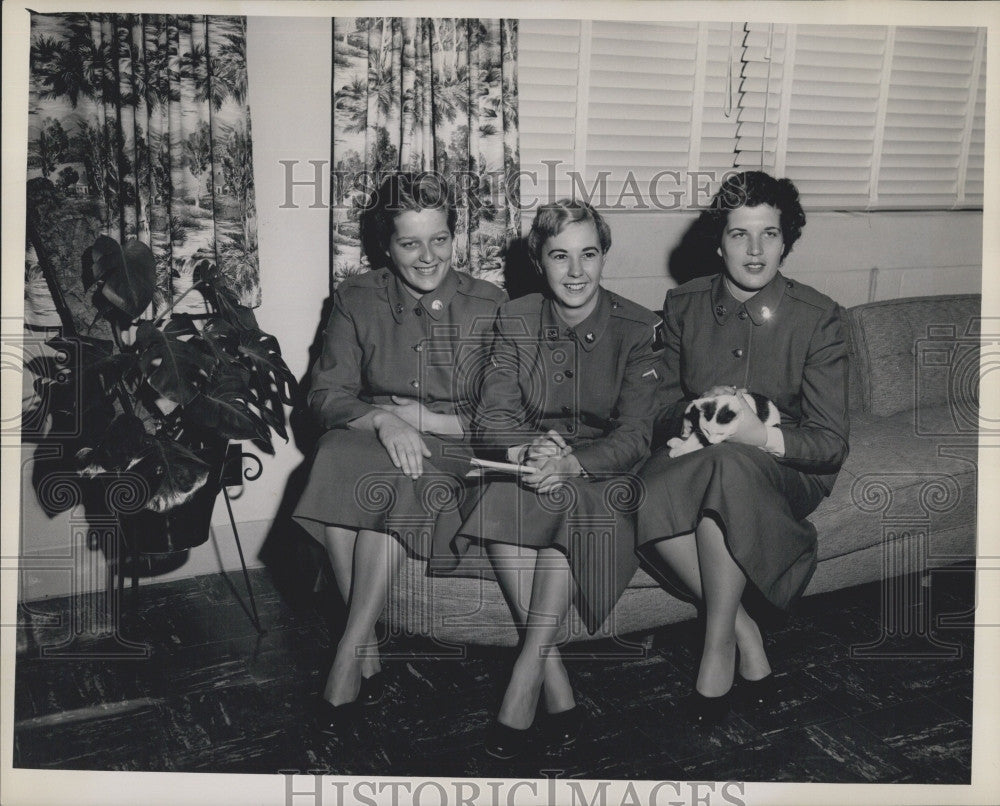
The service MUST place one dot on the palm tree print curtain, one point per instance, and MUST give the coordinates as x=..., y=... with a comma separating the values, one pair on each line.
x=427, y=95
x=139, y=128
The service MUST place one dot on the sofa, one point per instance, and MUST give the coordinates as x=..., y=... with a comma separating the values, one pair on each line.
x=905, y=500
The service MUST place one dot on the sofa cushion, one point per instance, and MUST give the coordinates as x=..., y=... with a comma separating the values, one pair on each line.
x=895, y=481
x=855, y=383
x=904, y=348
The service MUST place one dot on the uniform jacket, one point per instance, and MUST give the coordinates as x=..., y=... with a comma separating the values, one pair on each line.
x=786, y=342
x=596, y=383
x=381, y=341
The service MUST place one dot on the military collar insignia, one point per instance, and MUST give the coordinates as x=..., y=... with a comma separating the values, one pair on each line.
x=589, y=332
x=437, y=301
x=434, y=303
x=761, y=307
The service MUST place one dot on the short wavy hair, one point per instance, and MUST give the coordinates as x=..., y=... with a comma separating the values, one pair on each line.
x=552, y=218
x=752, y=189
x=399, y=193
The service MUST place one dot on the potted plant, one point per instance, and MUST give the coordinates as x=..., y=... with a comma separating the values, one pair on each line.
x=159, y=402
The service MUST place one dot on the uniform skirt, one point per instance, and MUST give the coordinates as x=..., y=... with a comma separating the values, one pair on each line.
x=592, y=521
x=759, y=504
x=354, y=484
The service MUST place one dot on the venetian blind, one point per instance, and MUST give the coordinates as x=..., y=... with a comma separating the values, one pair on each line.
x=860, y=117
x=548, y=64
x=928, y=111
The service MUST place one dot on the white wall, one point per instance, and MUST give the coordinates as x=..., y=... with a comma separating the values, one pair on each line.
x=289, y=84
x=916, y=253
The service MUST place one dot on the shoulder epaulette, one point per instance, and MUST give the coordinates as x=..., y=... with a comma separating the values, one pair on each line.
x=626, y=309
x=481, y=289
x=698, y=284
x=808, y=294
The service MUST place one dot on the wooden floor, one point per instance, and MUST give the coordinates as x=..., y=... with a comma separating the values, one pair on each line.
x=207, y=694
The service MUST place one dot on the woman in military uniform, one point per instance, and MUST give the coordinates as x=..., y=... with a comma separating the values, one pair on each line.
x=396, y=408
x=735, y=513
x=571, y=395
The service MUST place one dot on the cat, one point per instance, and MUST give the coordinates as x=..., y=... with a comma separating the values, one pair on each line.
x=710, y=420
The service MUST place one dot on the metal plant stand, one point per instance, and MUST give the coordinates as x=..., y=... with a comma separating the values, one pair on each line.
x=232, y=475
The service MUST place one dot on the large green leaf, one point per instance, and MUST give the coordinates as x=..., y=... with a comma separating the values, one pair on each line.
x=180, y=325
x=225, y=407
x=175, y=369
x=222, y=299
x=264, y=354
x=121, y=445
x=101, y=259
x=72, y=388
x=173, y=472
x=74, y=409
x=271, y=382
x=127, y=276
x=221, y=338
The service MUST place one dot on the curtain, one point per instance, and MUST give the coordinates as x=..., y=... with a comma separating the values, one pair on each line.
x=139, y=128
x=427, y=95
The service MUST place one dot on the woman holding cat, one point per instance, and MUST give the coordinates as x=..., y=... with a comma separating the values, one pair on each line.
x=733, y=513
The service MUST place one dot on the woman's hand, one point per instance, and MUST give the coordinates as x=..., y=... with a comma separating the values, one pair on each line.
x=549, y=445
x=410, y=411
x=749, y=428
x=403, y=443
x=413, y=412
x=552, y=472
x=719, y=391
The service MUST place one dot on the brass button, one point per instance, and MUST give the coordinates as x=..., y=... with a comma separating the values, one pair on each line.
x=419, y=347
x=567, y=410
x=720, y=310
x=569, y=373
x=589, y=338
x=570, y=428
x=742, y=314
x=399, y=307
x=738, y=352
x=418, y=311
x=415, y=384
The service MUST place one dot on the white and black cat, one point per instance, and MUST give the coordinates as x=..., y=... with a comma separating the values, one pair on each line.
x=710, y=420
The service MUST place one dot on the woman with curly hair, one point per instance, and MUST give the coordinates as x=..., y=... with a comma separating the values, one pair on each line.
x=390, y=391
x=733, y=514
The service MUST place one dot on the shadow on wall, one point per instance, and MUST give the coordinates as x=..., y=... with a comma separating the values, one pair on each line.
x=519, y=274
x=695, y=255
x=294, y=559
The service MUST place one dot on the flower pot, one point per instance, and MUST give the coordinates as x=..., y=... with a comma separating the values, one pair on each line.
x=180, y=528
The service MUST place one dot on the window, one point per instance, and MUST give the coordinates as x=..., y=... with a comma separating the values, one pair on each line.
x=860, y=117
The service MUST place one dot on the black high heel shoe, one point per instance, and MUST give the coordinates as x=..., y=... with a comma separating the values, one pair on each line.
x=372, y=688
x=707, y=712
x=336, y=720
x=507, y=743
x=563, y=728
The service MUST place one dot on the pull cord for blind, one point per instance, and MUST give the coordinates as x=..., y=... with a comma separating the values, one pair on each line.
x=727, y=104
